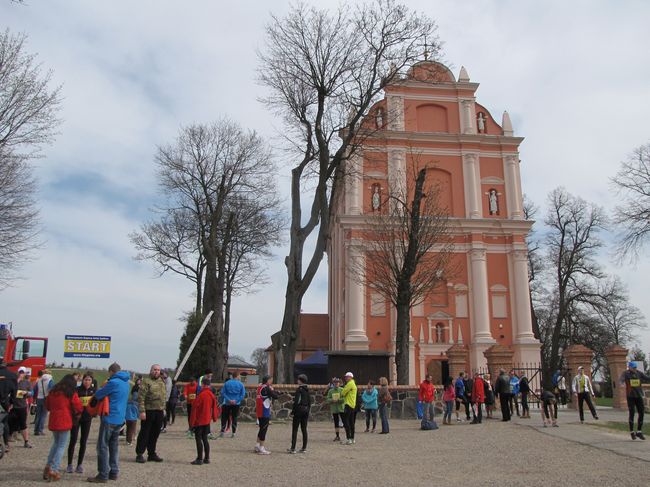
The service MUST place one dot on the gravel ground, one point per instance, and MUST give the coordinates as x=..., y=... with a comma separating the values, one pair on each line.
x=494, y=453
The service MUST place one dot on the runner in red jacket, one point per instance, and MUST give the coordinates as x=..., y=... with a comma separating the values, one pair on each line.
x=426, y=396
x=204, y=410
x=478, y=397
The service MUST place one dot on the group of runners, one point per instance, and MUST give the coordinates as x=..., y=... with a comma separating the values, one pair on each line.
x=121, y=401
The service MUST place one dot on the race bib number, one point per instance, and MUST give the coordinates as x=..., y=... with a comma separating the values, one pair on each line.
x=635, y=382
x=20, y=394
x=191, y=397
x=85, y=400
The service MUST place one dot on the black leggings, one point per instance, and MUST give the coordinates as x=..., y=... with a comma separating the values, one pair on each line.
x=84, y=426
x=632, y=404
x=547, y=407
x=264, y=427
x=202, y=445
x=338, y=419
x=302, y=422
x=170, y=417
x=524, y=403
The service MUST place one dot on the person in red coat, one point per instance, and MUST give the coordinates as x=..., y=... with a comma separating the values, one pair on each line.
x=62, y=402
x=190, y=396
x=204, y=410
x=426, y=396
x=478, y=396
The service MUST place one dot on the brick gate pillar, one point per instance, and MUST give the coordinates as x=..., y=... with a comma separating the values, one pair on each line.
x=617, y=360
x=575, y=356
x=458, y=359
x=498, y=357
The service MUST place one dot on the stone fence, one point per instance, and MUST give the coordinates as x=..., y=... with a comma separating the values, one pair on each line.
x=402, y=407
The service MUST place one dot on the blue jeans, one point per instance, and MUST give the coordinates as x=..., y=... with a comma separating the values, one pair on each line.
x=108, y=457
x=383, y=414
x=59, y=444
x=449, y=406
x=41, y=416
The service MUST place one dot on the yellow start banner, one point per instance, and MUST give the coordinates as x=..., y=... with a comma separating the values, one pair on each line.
x=87, y=346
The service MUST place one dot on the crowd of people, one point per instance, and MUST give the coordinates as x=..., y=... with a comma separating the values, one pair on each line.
x=70, y=405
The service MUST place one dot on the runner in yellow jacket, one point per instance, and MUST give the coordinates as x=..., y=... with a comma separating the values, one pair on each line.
x=349, y=394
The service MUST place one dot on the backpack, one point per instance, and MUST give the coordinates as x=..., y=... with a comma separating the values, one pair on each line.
x=428, y=425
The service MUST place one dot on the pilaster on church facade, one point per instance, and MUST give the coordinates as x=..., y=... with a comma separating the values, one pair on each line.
x=430, y=119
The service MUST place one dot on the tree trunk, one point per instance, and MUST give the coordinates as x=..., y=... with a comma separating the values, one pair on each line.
x=403, y=328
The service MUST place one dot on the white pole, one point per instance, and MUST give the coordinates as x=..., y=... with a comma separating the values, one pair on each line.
x=191, y=349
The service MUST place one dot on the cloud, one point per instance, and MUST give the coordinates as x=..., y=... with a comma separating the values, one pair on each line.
x=572, y=75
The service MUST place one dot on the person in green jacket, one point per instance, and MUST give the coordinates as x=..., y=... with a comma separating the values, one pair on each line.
x=151, y=401
x=337, y=405
x=350, y=400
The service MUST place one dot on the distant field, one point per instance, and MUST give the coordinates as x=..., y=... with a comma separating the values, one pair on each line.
x=100, y=375
x=620, y=426
x=604, y=401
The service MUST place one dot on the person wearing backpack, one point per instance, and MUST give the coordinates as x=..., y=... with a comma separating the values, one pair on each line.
x=300, y=412
x=459, y=392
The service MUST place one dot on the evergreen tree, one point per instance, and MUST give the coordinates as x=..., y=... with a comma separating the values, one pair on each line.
x=198, y=360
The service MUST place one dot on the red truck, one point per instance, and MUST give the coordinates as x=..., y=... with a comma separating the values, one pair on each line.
x=22, y=351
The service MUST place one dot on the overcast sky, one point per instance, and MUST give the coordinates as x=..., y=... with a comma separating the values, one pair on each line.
x=574, y=77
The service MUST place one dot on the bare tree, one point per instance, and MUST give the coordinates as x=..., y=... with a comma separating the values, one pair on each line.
x=28, y=120
x=615, y=312
x=260, y=359
x=572, y=245
x=632, y=184
x=209, y=174
x=173, y=243
x=408, y=255
x=324, y=71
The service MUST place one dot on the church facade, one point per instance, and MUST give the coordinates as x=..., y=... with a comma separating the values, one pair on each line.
x=428, y=118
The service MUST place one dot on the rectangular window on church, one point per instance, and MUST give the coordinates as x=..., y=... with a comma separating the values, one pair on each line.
x=377, y=304
x=499, y=306
x=417, y=310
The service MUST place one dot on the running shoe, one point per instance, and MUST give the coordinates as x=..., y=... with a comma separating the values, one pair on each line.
x=633, y=435
x=263, y=451
x=291, y=451
x=640, y=435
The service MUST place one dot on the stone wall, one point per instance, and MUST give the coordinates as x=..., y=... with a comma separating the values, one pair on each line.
x=402, y=407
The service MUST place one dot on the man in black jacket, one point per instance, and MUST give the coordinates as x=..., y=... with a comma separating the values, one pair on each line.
x=300, y=411
x=502, y=389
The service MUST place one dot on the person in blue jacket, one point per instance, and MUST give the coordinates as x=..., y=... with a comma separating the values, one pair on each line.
x=369, y=398
x=117, y=390
x=514, y=391
x=231, y=396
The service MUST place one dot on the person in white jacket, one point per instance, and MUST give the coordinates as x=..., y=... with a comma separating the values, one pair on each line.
x=583, y=391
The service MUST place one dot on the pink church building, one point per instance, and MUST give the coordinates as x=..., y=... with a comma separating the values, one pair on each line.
x=430, y=118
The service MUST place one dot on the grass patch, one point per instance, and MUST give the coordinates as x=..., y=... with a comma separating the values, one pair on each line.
x=620, y=426
x=58, y=373
x=604, y=401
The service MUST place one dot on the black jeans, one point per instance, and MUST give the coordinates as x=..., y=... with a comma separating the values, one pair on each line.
x=84, y=426
x=299, y=420
x=371, y=413
x=514, y=405
x=349, y=418
x=632, y=404
x=170, y=417
x=547, y=409
x=524, y=404
x=478, y=415
x=229, y=411
x=504, y=400
x=202, y=445
x=585, y=396
x=189, y=414
x=149, y=432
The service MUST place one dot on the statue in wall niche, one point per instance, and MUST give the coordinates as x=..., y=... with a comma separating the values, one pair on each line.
x=493, y=202
x=480, y=123
x=375, y=198
x=379, y=119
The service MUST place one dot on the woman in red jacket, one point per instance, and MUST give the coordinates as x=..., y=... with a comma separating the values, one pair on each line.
x=62, y=402
x=478, y=397
x=204, y=410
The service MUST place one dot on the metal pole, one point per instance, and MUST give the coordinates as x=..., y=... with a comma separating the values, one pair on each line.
x=191, y=349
